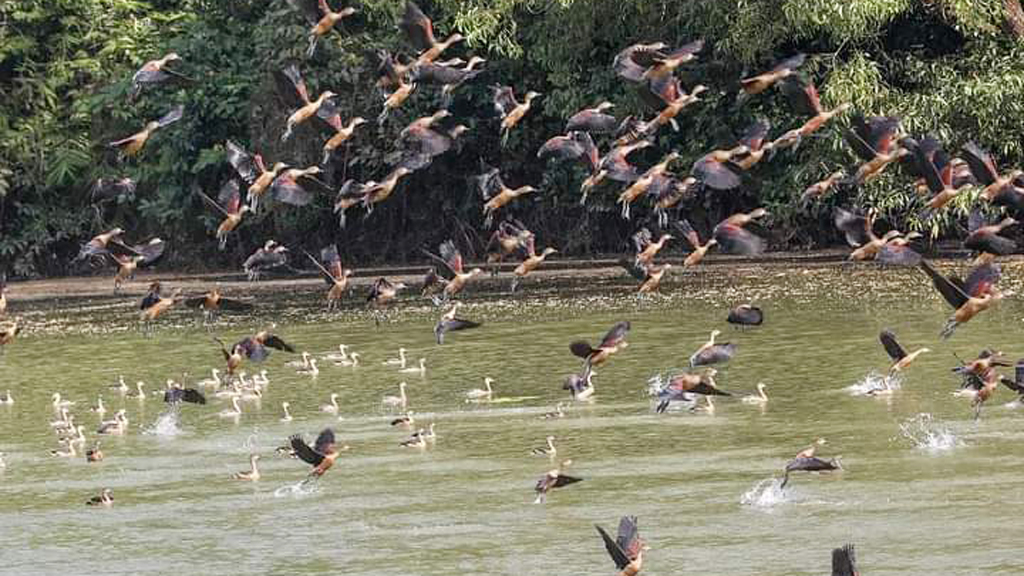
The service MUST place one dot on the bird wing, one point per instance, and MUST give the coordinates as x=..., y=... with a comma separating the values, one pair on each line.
x=332, y=261
x=802, y=95
x=241, y=160
x=714, y=355
x=105, y=188
x=417, y=27
x=151, y=298
x=171, y=117
x=629, y=538
x=853, y=226
x=286, y=189
x=291, y=86
x=734, y=239
x=714, y=174
x=490, y=183
x=451, y=256
x=637, y=271
x=844, y=561
x=898, y=255
x=791, y=63
x=982, y=279
x=753, y=137
x=304, y=452
x=892, y=347
x=688, y=232
x=581, y=349
x=950, y=291
x=459, y=324
x=330, y=112
x=614, y=550
x=564, y=480
x=980, y=162
x=276, y=342
x=616, y=335
x=229, y=198
x=504, y=99
x=325, y=441
x=641, y=239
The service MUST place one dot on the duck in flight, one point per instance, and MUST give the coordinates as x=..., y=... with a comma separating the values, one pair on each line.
x=627, y=549
x=321, y=455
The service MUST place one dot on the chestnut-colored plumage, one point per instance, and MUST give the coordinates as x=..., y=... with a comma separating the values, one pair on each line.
x=133, y=144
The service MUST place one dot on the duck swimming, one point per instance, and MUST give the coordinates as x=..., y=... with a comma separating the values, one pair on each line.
x=253, y=473
x=759, y=398
x=106, y=498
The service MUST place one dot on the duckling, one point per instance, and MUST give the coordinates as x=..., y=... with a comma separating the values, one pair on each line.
x=139, y=393
x=340, y=355
x=311, y=370
x=261, y=379
x=121, y=386
x=549, y=451
x=234, y=412
x=99, y=408
x=59, y=403
x=253, y=474
x=331, y=408
x=759, y=398
x=351, y=362
x=106, y=498
x=478, y=395
x=415, y=441
x=69, y=453
x=405, y=421
x=400, y=361
x=212, y=381
x=115, y=427
x=421, y=369
x=301, y=364
x=397, y=401
x=287, y=415
x=558, y=412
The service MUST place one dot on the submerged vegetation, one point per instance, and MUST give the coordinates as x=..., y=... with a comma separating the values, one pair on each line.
x=953, y=68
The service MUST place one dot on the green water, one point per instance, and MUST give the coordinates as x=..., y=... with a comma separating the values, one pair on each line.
x=699, y=483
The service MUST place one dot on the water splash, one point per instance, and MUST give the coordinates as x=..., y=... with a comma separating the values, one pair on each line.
x=655, y=384
x=928, y=435
x=875, y=384
x=167, y=424
x=306, y=487
x=765, y=494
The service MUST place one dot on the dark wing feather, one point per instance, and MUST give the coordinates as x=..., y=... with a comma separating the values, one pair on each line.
x=714, y=174
x=844, y=561
x=981, y=280
x=892, y=347
x=304, y=452
x=629, y=537
x=896, y=255
x=980, y=163
x=276, y=342
x=504, y=99
x=616, y=335
x=614, y=550
x=456, y=324
x=242, y=161
x=564, y=480
x=287, y=190
x=853, y=226
x=635, y=270
x=813, y=464
x=152, y=252
x=746, y=315
x=173, y=116
x=581, y=349
x=714, y=355
x=950, y=292
x=417, y=27
x=734, y=239
x=232, y=305
x=802, y=95
x=325, y=441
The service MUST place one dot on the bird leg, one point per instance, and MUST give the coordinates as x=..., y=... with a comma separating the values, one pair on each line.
x=949, y=328
x=515, y=282
x=287, y=132
x=312, y=45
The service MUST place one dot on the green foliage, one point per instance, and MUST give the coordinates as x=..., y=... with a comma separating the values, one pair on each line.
x=946, y=67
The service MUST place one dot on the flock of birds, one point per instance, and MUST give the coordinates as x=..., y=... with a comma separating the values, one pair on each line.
x=876, y=140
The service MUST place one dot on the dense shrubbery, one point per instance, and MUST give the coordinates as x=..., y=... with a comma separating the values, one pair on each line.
x=951, y=67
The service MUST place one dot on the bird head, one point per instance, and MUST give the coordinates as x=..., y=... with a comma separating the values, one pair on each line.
x=531, y=95
x=549, y=250
x=348, y=11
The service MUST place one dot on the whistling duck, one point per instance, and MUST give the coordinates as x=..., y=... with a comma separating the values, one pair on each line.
x=627, y=549
x=634, y=61
x=478, y=394
x=154, y=305
x=308, y=108
x=670, y=193
x=510, y=236
x=133, y=144
x=450, y=323
x=419, y=30
x=783, y=69
x=548, y=450
x=403, y=89
x=321, y=455
x=58, y=402
x=383, y=291
x=803, y=97
x=341, y=354
x=969, y=298
x=293, y=185
x=321, y=18
x=97, y=246
x=94, y=454
x=652, y=278
x=71, y=452
x=154, y=72
x=106, y=498
x=212, y=302
x=271, y=255
x=646, y=247
x=416, y=440
x=531, y=262
x=899, y=252
x=341, y=136
x=446, y=73
x=933, y=164
x=711, y=353
x=734, y=239
x=615, y=166
x=253, y=473
x=420, y=369
x=986, y=239
x=377, y=192
x=699, y=250
x=999, y=189
x=682, y=387
x=818, y=190
x=497, y=194
x=396, y=401
x=673, y=106
x=573, y=146
x=263, y=181
x=336, y=276
x=126, y=266
x=612, y=342
x=7, y=399
x=352, y=362
x=872, y=140
x=636, y=189
x=301, y=363
x=511, y=110
x=754, y=140
x=553, y=479
x=759, y=398
x=332, y=407
x=231, y=207
x=593, y=120
x=452, y=260
x=745, y=315
x=900, y=357
x=810, y=464
x=716, y=170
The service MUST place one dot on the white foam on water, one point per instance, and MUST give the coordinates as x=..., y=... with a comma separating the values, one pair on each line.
x=167, y=424
x=928, y=435
x=767, y=493
x=875, y=384
x=301, y=489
